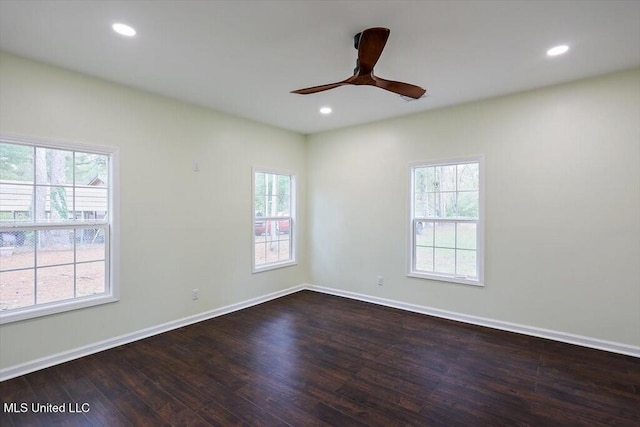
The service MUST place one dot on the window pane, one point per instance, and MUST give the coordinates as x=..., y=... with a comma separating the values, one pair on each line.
x=90, y=278
x=466, y=263
x=468, y=174
x=447, y=205
x=58, y=203
x=283, y=226
x=260, y=182
x=91, y=169
x=445, y=178
x=16, y=162
x=259, y=190
x=466, y=236
x=424, y=259
x=16, y=202
x=260, y=251
x=260, y=227
x=91, y=203
x=53, y=167
x=271, y=195
x=445, y=261
x=468, y=205
x=420, y=204
x=271, y=230
x=90, y=244
x=16, y=249
x=55, y=247
x=441, y=205
x=432, y=181
x=445, y=234
x=284, y=194
x=424, y=233
x=431, y=205
x=54, y=283
x=422, y=179
x=16, y=289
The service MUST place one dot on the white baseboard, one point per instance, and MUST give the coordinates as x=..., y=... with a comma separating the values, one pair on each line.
x=55, y=359
x=565, y=337
x=65, y=356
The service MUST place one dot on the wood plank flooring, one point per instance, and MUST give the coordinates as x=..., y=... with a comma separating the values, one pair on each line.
x=310, y=359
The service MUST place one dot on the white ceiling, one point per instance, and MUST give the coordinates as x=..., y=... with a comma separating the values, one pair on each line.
x=243, y=57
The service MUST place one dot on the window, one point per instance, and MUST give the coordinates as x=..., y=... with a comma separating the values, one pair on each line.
x=273, y=219
x=447, y=221
x=56, y=227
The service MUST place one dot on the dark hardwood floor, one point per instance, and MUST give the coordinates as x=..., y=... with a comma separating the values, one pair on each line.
x=312, y=359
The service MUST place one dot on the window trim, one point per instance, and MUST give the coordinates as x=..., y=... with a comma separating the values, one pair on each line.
x=480, y=253
x=112, y=259
x=293, y=230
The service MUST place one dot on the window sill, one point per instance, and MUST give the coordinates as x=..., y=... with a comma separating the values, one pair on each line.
x=273, y=266
x=53, y=308
x=443, y=278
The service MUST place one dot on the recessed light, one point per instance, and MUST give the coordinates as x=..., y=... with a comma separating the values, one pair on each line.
x=325, y=110
x=123, y=29
x=558, y=50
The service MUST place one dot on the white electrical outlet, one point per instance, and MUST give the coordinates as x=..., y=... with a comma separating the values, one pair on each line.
x=380, y=281
x=195, y=294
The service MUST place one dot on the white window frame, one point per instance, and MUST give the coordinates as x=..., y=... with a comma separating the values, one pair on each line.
x=293, y=231
x=109, y=224
x=413, y=222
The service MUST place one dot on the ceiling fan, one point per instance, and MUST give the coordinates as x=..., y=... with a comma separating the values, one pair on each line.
x=369, y=43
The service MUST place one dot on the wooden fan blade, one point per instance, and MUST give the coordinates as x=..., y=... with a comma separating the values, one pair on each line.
x=320, y=88
x=405, y=89
x=371, y=44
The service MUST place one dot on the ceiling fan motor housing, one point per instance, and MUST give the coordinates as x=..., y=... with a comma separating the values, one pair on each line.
x=356, y=40
x=356, y=45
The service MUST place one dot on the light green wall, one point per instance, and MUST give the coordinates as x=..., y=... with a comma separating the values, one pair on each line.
x=179, y=229
x=562, y=206
x=563, y=202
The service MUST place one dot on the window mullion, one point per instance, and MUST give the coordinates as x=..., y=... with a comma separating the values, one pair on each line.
x=36, y=243
x=33, y=185
x=75, y=262
x=455, y=244
x=73, y=187
x=433, y=245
